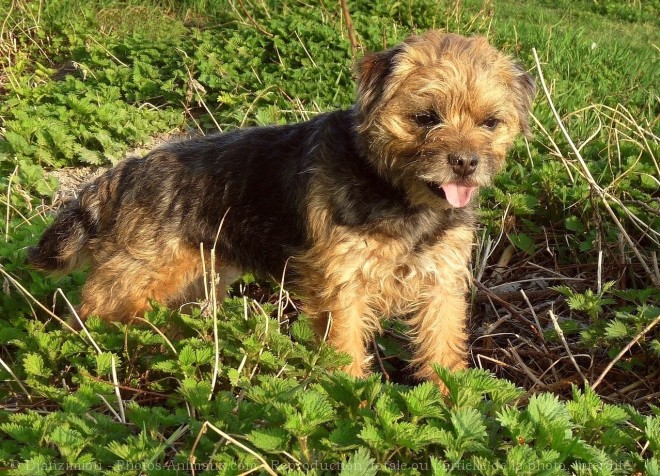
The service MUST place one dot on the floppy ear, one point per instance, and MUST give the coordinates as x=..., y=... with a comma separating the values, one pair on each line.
x=525, y=90
x=373, y=71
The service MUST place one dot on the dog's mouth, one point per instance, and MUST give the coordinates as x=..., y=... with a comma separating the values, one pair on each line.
x=458, y=195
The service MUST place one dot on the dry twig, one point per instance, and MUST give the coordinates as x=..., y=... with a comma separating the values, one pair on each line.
x=352, y=37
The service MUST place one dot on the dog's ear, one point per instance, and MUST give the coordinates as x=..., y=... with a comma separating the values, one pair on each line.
x=525, y=90
x=373, y=71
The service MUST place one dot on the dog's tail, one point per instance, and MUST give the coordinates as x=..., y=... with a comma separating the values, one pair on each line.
x=63, y=246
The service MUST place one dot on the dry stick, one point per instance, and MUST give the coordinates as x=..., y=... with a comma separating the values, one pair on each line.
x=515, y=312
x=651, y=325
x=11, y=177
x=280, y=305
x=536, y=319
x=227, y=437
x=80, y=322
x=8, y=369
x=109, y=407
x=526, y=370
x=560, y=333
x=113, y=375
x=198, y=89
x=352, y=37
x=253, y=21
x=94, y=344
x=587, y=174
x=214, y=302
x=26, y=293
x=159, y=332
x=26, y=220
x=120, y=402
x=305, y=48
x=380, y=361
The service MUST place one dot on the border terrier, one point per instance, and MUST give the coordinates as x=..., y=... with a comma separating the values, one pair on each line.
x=371, y=207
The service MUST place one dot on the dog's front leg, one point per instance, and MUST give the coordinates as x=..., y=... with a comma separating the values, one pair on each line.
x=349, y=334
x=346, y=323
x=438, y=331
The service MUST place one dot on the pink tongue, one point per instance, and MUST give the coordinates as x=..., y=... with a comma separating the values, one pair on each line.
x=458, y=195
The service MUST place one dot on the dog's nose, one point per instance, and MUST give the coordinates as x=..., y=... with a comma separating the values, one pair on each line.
x=463, y=165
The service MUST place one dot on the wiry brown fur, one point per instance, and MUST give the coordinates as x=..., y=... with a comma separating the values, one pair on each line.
x=356, y=199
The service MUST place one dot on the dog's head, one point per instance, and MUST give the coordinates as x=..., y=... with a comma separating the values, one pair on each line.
x=437, y=114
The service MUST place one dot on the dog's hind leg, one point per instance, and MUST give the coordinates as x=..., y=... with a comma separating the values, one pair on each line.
x=198, y=291
x=121, y=285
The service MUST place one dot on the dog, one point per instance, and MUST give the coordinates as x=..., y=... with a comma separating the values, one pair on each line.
x=370, y=209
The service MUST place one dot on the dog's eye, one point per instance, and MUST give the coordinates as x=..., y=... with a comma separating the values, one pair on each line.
x=491, y=123
x=427, y=119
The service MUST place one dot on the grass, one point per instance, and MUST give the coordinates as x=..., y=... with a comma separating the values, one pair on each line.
x=565, y=303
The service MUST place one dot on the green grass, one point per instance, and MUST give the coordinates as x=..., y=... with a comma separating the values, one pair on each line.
x=568, y=379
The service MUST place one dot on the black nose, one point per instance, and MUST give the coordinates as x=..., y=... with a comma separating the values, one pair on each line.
x=463, y=165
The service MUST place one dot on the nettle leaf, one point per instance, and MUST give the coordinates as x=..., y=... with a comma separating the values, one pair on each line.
x=168, y=366
x=316, y=406
x=302, y=331
x=523, y=242
x=575, y=224
x=373, y=437
x=272, y=440
x=272, y=388
x=517, y=423
x=104, y=363
x=654, y=345
x=438, y=468
x=370, y=388
x=387, y=410
x=469, y=429
x=314, y=409
x=616, y=329
x=235, y=377
x=343, y=388
x=652, y=467
x=30, y=467
x=69, y=441
x=360, y=464
x=345, y=435
x=416, y=437
x=425, y=401
x=81, y=401
x=450, y=379
x=34, y=365
x=478, y=388
x=88, y=156
x=197, y=393
x=596, y=458
x=617, y=437
x=585, y=405
x=191, y=355
x=652, y=433
x=329, y=358
x=154, y=417
x=518, y=459
x=25, y=428
x=552, y=419
x=268, y=360
x=485, y=466
x=136, y=449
